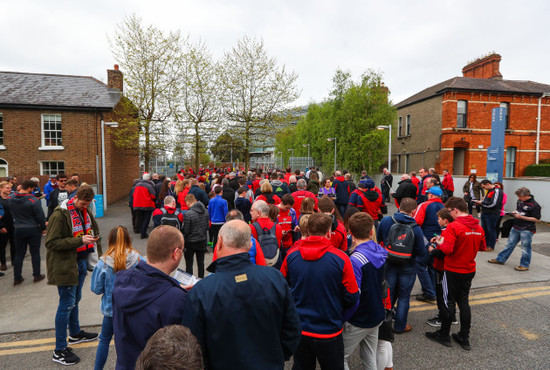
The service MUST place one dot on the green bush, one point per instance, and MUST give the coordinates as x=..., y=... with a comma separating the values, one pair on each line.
x=538, y=170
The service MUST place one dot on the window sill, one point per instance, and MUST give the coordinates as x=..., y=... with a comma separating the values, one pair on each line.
x=462, y=129
x=51, y=148
x=403, y=136
x=2, y=147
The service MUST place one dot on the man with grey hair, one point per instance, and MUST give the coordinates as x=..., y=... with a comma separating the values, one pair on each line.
x=299, y=196
x=242, y=307
x=168, y=215
x=406, y=189
x=526, y=215
x=263, y=230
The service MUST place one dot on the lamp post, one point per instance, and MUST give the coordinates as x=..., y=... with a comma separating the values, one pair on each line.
x=387, y=127
x=103, y=176
x=308, y=147
x=331, y=139
x=291, y=155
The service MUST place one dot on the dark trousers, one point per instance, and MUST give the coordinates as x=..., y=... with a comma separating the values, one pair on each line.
x=135, y=221
x=214, y=231
x=27, y=236
x=489, y=225
x=4, y=239
x=342, y=209
x=192, y=248
x=456, y=288
x=143, y=220
x=328, y=351
x=471, y=206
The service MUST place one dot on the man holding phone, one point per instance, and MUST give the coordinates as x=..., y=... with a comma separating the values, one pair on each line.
x=71, y=234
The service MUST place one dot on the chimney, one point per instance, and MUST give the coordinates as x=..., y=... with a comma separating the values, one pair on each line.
x=114, y=78
x=484, y=67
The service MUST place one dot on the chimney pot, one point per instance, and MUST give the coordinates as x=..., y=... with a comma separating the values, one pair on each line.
x=115, y=79
x=116, y=67
x=484, y=67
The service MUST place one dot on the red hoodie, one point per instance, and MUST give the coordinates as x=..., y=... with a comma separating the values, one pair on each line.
x=463, y=239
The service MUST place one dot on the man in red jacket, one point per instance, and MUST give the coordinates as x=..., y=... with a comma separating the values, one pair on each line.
x=463, y=239
x=144, y=202
x=300, y=195
x=448, y=183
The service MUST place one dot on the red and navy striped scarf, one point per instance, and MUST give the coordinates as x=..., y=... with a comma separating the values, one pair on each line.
x=77, y=221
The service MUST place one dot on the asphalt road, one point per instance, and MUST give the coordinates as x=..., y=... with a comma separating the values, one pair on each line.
x=510, y=330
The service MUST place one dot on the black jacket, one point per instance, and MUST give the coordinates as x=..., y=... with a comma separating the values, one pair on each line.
x=6, y=220
x=199, y=194
x=492, y=203
x=529, y=208
x=229, y=195
x=243, y=316
x=406, y=189
x=26, y=211
x=195, y=223
x=53, y=200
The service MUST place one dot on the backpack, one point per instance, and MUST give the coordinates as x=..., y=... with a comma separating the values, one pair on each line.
x=170, y=219
x=400, y=243
x=268, y=242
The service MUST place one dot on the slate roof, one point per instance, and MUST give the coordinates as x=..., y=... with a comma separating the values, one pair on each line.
x=477, y=85
x=45, y=90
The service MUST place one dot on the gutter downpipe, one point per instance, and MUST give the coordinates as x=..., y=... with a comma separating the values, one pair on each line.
x=538, y=126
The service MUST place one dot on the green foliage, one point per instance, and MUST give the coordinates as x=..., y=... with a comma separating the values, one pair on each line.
x=223, y=145
x=538, y=170
x=351, y=114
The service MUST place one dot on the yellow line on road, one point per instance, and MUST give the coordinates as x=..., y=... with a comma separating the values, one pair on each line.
x=23, y=343
x=16, y=351
x=488, y=295
x=486, y=301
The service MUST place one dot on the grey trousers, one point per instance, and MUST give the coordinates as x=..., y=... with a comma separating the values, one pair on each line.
x=366, y=339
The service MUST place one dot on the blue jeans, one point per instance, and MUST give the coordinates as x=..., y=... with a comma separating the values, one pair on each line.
x=426, y=276
x=526, y=237
x=67, y=311
x=104, y=341
x=401, y=282
x=489, y=225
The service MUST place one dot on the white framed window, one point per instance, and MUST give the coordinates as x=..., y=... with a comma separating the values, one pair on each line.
x=3, y=168
x=400, y=127
x=52, y=167
x=461, y=113
x=507, y=117
x=2, y=132
x=51, y=132
x=511, y=161
x=408, y=131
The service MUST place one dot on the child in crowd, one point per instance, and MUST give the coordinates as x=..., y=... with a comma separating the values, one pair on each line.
x=120, y=256
x=243, y=204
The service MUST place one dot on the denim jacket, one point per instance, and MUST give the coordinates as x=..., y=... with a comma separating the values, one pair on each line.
x=103, y=282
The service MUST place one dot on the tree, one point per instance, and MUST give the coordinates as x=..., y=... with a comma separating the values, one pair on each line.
x=254, y=92
x=351, y=114
x=148, y=58
x=225, y=145
x=198, y=98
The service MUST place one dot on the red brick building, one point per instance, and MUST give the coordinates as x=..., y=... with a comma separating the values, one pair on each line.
x=52, y=123
x=448, y=125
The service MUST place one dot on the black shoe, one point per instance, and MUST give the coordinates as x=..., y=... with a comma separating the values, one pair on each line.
x=464, y=343
x=423, y=298
x=17, y=282
x=2, y=274
x=435, y=322
x=437, y=337
x=145, y=236
x=83, y=337
x=65, y=357
x=39, y=278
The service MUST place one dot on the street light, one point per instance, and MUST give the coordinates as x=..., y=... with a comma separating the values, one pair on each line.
x=308, y=147
x=330, y=139
x=104, y=180
x=291, y=156
x=387, y=127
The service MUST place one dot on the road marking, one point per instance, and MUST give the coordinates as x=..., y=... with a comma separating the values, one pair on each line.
x=528, y=334
x=22, y=343
x=487, y=295
x=16, y=351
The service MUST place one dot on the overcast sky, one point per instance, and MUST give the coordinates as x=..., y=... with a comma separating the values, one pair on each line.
x=415, y=44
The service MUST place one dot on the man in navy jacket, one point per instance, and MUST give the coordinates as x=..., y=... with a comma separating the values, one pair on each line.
x=243, y=315
x=146, y=298
x=322, y=283
x=401, y=278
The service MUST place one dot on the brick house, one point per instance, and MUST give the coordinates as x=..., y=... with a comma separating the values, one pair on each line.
x=448, y=125
x=52, y=123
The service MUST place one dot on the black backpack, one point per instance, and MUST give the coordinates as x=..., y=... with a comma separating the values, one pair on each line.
x=268, y=242
x=170, y=219
x=400, y=243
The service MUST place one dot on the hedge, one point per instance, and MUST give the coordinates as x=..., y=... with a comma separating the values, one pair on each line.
x=538, y=170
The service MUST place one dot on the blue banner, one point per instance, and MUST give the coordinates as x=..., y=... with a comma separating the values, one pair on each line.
x=495, y=153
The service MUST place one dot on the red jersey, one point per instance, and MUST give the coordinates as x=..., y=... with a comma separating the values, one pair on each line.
x=464, y=237
x=288, y=221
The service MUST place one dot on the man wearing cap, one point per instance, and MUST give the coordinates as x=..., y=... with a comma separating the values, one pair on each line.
x=426, y=218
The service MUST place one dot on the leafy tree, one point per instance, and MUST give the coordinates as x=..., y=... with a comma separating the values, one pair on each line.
x=254, y=92
x=223, y=146
x=350, y=114
x=148, y=58
x=198, y=98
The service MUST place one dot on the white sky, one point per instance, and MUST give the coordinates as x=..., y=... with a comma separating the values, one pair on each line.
x=415, y=44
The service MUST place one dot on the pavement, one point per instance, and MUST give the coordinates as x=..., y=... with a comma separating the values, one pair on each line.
x=30, y=307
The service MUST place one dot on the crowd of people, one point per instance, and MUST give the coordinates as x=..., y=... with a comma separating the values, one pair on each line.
x=304, y=266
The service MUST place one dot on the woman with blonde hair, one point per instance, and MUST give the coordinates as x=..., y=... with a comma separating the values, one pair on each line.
x=121, y=255
x=266, y=194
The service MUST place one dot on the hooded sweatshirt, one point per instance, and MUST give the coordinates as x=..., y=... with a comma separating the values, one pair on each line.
x=322, y=284
x=368, y=261
x=145, y=299
x=103, y=279
x=26, y=211
x=463, y=238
